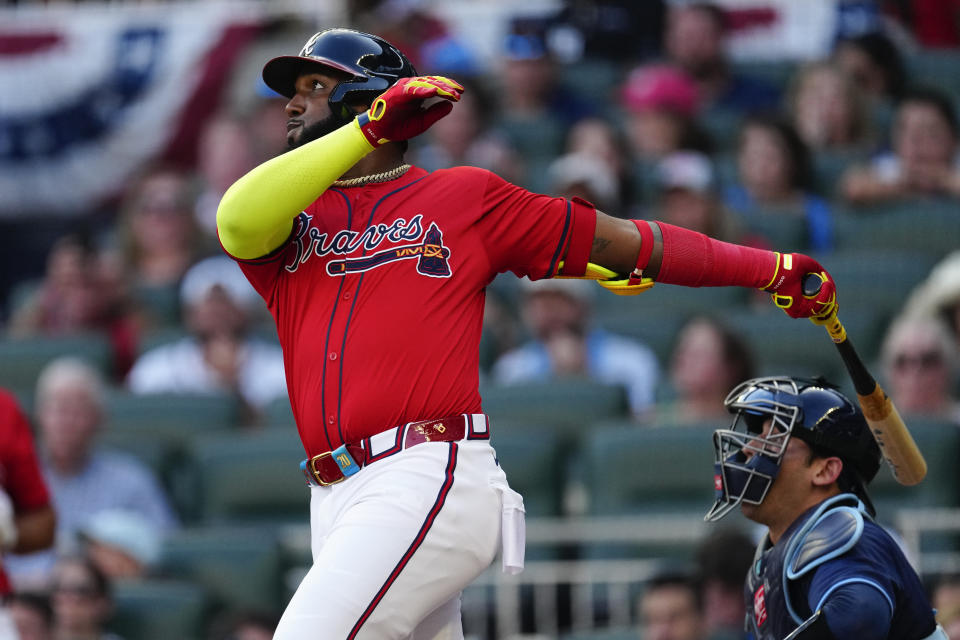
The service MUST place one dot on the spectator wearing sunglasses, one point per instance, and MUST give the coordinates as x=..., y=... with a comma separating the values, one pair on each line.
x=919, y=361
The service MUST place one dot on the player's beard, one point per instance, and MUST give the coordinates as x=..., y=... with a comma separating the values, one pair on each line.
x=315, y=131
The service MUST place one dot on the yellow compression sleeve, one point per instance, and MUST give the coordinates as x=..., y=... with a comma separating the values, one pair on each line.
x=256, y=213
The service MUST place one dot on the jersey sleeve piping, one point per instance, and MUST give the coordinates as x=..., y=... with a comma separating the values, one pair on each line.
x=865, y=581
x=561, y=245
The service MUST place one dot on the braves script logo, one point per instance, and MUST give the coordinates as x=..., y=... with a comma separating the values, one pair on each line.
x=426, y=246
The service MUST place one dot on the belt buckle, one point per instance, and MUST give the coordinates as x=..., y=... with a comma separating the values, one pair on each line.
x=343, y=459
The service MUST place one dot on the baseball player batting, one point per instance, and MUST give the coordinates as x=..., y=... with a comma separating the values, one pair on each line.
x=375, y=273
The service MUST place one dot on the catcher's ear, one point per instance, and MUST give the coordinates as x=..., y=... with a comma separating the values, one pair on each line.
x=826, y=471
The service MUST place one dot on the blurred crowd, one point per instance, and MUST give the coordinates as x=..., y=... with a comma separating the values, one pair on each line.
x=637, y=107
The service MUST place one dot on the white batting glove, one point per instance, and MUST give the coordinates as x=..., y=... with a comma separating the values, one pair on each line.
x=8, y=525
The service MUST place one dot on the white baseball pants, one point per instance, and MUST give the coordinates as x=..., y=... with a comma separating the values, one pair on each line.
x=394, y=545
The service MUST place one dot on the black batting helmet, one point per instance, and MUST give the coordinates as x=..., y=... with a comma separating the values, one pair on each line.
x=811, y=410
x=372, y=63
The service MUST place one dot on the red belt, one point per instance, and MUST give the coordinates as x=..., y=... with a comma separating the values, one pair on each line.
x=336, y=466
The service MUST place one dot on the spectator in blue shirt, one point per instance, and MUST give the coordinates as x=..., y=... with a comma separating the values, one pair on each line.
x=694, y=40
x=775, y=178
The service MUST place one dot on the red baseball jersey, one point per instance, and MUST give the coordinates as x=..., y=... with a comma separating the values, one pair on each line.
x=378, y=294
x=20, y=473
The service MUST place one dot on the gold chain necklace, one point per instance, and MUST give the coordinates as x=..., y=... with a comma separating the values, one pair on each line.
x=386, y=176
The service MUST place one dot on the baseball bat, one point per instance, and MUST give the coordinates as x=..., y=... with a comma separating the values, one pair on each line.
x=886, y=425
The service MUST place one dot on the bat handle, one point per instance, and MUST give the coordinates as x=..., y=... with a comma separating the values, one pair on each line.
x=811, y=284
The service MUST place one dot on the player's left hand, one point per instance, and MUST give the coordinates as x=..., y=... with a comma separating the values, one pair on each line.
x=399, y=113
x=787, y=287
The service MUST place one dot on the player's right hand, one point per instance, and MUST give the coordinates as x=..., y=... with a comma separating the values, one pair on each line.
x=787, y=287
x=398, y=113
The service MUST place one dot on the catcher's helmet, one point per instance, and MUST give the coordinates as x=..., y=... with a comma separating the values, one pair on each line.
x=810, y=410
x=372, y=63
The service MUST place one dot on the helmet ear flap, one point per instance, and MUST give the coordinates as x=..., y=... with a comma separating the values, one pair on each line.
x=352, y=92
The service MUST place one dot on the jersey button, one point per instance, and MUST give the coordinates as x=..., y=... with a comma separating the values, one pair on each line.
x=347, y=295
x=331, y=418
x=333, y=355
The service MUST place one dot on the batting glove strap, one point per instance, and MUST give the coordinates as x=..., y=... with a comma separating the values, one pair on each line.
x=399, y=112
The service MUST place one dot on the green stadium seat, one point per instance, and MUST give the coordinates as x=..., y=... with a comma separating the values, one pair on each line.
x=534, y=138
x=786, y=346
x=829, y=167
x=160, y=303
x=279, y=413
x=159, y=610
x=251, y=478
x=534, y=462
x=239, y=568
x=875, y=280
x=564, y=403
x=179, y=416
x=939, y=441
x=776, y=72
x=926, y=226
x=603, y=634
x=657, y=328
x=936, y=68
x=784, y=230
x=669, y=298
x=723, y=127
x=22, y=359
x=595, y=80
x=635, y=470
x=648, y=471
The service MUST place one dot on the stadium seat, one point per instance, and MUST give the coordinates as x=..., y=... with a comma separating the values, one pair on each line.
x=239, y=568
x=936, y=68
x=160, y=303
x=179, y=416
x=278, y=413
x=594, y=80
x=251, y=478
x=602, y=634
x=564, y=403
x=535, y=138
x=925, y=226
x=782, y=230
x=669, y=298
x=634, y=470
x=785, y=346
x=24, y=358
x=876, y=280
x=829, y=167
x=657, y=328
x=534, y=462
x=648, y=471
x=939, y=441
x=158, y=610
x=775, y=72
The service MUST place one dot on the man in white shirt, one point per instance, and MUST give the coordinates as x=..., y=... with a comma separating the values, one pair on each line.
x=219, y=355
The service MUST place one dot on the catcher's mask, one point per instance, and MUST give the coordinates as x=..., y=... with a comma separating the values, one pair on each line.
x=372, y=64
x=748, y=457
